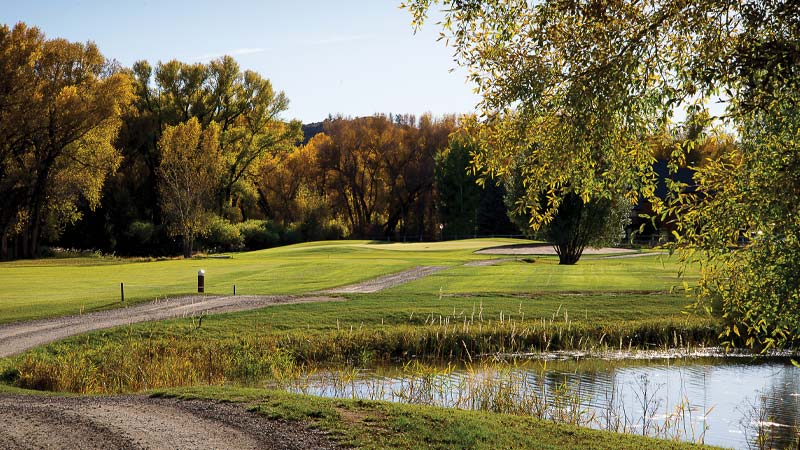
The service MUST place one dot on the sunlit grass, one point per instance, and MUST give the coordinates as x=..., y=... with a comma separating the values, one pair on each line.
x=50, y=287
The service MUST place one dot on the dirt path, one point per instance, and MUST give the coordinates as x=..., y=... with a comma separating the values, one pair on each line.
x=136, y=422
x=385, y=282
x=17, y=337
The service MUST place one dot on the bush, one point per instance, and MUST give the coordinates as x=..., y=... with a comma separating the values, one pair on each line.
x=223, y=236
x=258, y=234
x=140, y=232
x=142, y=238
x=317, y=230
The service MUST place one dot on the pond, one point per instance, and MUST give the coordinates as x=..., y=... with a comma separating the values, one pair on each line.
x=730, y=402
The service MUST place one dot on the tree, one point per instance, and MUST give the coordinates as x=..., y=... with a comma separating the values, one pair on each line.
x=576, y=225
x=458, y=193
x=742, y=217
x=282, y=178
x=561, y=88
x=243, y=104
x=191, y=163
x=595, y=76
x=465, y=208
x=379, y=171
x=60, y=106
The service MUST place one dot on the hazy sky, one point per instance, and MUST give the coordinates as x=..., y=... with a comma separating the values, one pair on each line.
x=350, y=57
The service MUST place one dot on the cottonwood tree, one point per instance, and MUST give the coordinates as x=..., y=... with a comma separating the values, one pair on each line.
x=244, y=105
x=587, y=81
x=60, y=106
x=410, y=173
x=379, y=172
x=191, y=163
x=281, y=180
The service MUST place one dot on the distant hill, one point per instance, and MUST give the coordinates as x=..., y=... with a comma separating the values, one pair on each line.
x=310, y=130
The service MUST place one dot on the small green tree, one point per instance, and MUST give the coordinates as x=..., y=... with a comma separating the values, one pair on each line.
x=576, y=225
x=458, y=194
x=189, y=177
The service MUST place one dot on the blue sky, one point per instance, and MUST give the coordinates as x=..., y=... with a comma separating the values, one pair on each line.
x=350, y=57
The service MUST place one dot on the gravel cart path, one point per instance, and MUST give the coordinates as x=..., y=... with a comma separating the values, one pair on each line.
x=18, y=337
x=385, y=282
x=136, y=422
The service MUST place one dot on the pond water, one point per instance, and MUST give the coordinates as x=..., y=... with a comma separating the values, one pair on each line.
x=728, y=402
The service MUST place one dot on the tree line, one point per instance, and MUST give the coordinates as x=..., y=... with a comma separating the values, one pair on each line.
x=161, y=159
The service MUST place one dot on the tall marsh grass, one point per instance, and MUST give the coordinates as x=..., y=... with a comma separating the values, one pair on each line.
x=129, y=361
x=524, y=387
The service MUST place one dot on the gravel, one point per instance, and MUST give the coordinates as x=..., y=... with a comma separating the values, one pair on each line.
x=385, y=282
x=18, y=337
x=136, y=422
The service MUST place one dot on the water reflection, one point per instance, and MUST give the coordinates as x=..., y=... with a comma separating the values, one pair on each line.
x=726, y=402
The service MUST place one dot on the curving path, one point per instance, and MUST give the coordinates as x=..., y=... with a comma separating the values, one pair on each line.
x=20, y=336
x=387, y=281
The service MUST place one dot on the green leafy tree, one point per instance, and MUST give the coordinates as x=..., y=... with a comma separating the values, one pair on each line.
x=458, y=193
x=596, y=78
x=191, y=163
x=60, y=107
x=466, y=208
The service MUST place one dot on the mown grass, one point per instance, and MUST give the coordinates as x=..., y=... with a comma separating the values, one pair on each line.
x=31, y=289
x=648, y=273
x=382, y=425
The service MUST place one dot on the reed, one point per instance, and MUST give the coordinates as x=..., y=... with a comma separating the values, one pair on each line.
x=130, y=362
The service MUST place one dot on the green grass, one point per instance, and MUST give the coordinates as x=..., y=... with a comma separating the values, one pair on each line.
x=382, y=425
x=650, y=273
x=452, y=314
x=457, y=313
x=31, y=289
x=386, y=310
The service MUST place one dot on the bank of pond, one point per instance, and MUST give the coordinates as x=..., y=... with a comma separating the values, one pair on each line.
x=735, y=402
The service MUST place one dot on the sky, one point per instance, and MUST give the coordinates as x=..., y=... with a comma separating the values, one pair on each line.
x=353, y=58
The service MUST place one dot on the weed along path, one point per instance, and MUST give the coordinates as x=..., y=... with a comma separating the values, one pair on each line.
x=135, y=422
x=20, y=336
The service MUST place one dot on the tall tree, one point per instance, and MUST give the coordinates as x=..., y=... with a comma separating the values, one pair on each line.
x=595, y=76
x=59, y=116
x=191, y=163
x=351, y=158
x=244, y=105
x=281, y=179
x=379, y=171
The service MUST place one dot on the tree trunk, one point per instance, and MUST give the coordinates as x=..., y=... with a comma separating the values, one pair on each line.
x=188, y=243
x=568, y=254
x=4, y=246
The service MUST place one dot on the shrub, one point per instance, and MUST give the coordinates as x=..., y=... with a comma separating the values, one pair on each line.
x=140, y=232
x=223, y=236
x=258, y=234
